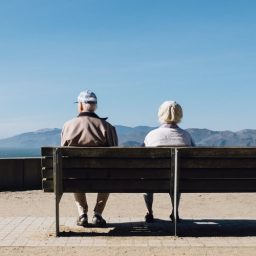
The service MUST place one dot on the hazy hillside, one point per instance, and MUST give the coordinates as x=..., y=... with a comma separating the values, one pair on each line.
x=206, y=137
x=129, y=136
x=36, y=139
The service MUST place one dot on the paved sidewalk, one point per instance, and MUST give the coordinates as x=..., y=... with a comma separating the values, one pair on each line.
x=125, y=232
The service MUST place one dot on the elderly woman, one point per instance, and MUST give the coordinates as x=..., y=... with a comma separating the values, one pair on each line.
x=168, y=134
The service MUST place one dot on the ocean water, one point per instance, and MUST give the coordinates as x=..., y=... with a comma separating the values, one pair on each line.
x=19, y=152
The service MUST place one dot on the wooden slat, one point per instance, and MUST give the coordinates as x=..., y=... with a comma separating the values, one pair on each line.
x=111, y=186
x=157, y=152
x=112, y=173
x=217, y=185
x=110, y=163
x=108, y=152
x=216, y=163
x=47, y=151
x=202, y=169
x=116, y=163
x=140, y=152
x=240, y=152
x=219, y=173
x=47, y=162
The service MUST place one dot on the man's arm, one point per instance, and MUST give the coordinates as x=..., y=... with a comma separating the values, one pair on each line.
x=112, y=136
x=63, y=141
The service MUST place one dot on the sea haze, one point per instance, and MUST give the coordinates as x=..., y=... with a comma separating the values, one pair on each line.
x=19, y=152
x=29, y=144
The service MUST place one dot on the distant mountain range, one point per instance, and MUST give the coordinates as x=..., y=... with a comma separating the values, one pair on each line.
x=134, y=136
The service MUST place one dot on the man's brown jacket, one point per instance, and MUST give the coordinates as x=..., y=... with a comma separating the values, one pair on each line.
x=88, y=130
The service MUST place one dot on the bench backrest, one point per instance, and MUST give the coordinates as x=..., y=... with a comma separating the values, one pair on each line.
x=217, y=170
x=109, y=169
x=151, y=169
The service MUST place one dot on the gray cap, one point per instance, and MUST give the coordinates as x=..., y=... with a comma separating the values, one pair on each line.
x=87, y=97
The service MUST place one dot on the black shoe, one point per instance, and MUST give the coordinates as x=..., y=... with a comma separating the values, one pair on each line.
x=82, y=220
x=98, y=221
x=177, y=218
x=149, y=218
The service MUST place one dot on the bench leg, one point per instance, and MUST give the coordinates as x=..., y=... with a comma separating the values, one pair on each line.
x=57, y=223
x=57, y=182
x=175, y=191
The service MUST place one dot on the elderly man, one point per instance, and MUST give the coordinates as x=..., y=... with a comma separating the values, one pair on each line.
x=89, y=130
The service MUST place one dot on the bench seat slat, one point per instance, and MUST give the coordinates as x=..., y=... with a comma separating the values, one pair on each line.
x=116, y=163
x=218, y=152
x=218, y=163
x=111, y=173
x=113, y=186
x=217, y=185
x=110, y=163
x=110, y=152
x=210, y=173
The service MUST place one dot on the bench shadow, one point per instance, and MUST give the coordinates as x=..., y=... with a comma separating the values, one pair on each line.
x=186, y=228
x=123, y=229
x=217, y=228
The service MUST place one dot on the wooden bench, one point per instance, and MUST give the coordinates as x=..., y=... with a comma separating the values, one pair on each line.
x=137, y=170
x=113, y=170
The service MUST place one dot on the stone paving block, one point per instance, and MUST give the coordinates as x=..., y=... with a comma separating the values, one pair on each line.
x=206, y=241
x=126, y=241
x=168, y=243
x=2, y=236
x=60, y=241
x=7, y=242
x=194, y=242
x=141, y=242
x=74, y=239
x=70, y=222
x=20, y=242
x=32, y=231
x=181, y=242
x=154, y=242
x=100, y=242
x=221, y=243
x=88, y=241
x=32, y=243
x=244, y=242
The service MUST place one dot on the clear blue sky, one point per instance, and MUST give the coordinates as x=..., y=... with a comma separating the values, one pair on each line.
x=133, y=54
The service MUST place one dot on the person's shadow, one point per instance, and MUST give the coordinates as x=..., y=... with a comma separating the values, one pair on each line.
x=186, y=228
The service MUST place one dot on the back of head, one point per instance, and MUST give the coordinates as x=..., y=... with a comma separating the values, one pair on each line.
x=87, y=97
x=87, y=100
x=170, y=112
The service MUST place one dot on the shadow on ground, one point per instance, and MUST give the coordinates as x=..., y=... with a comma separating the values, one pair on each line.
x=217, y=228
x=186, y=228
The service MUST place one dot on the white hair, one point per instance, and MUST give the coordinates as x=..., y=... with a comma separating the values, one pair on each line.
x=170, y=112
x=90, y=107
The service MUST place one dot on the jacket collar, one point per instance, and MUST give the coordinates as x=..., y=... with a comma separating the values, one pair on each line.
x=169, y=126
x=91, y=114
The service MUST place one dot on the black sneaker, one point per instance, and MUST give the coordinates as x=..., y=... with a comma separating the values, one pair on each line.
x=98, y=221
x=149, y=218
x=82, y=220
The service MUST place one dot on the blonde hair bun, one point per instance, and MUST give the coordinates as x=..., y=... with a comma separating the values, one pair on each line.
x=170, y=112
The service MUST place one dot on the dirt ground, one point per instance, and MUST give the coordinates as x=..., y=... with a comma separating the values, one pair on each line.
x=37, y=203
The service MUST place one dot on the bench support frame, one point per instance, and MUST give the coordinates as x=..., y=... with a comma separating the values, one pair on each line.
x=58, y=185
x=57, y=181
